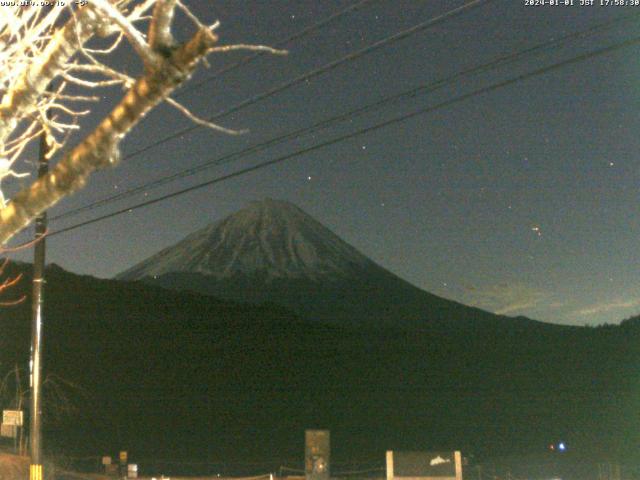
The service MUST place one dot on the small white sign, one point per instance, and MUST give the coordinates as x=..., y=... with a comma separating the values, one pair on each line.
x=12, y=417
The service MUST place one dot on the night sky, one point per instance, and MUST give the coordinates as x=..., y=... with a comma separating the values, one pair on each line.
x=522, y=201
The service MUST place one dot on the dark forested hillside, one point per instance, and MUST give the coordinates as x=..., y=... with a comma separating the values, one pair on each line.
x=175, y=375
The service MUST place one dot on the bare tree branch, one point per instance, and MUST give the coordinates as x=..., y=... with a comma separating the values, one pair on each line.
x=160, y=37
x=23, y=97
x=100, y=148
x=49, y=65
x=135, y=38
x=187, y=113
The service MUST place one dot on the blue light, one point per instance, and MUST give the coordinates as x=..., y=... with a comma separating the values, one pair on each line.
x=562, y=447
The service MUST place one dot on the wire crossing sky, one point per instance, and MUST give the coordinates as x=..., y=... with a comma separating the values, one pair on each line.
x=421, y=90
x=402, y=118
x=510, y=182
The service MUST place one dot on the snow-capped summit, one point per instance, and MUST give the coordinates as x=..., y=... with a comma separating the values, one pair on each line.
x=269, y=239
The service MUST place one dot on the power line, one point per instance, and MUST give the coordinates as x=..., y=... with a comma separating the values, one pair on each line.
x=363, y=131
x=420, y=90
x=279, y=44
x=318, y=71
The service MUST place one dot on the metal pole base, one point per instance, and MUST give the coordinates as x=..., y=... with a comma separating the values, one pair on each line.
x=35, y=472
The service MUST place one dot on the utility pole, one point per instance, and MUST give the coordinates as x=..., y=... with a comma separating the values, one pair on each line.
x=35, y=430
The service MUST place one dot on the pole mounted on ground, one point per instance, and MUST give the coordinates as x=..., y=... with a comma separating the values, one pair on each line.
x=35, y=437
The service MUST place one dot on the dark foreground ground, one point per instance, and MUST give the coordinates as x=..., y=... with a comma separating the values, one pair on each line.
x=534, y=467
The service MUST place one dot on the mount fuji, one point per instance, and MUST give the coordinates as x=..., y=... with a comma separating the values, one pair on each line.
x=273, y=252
